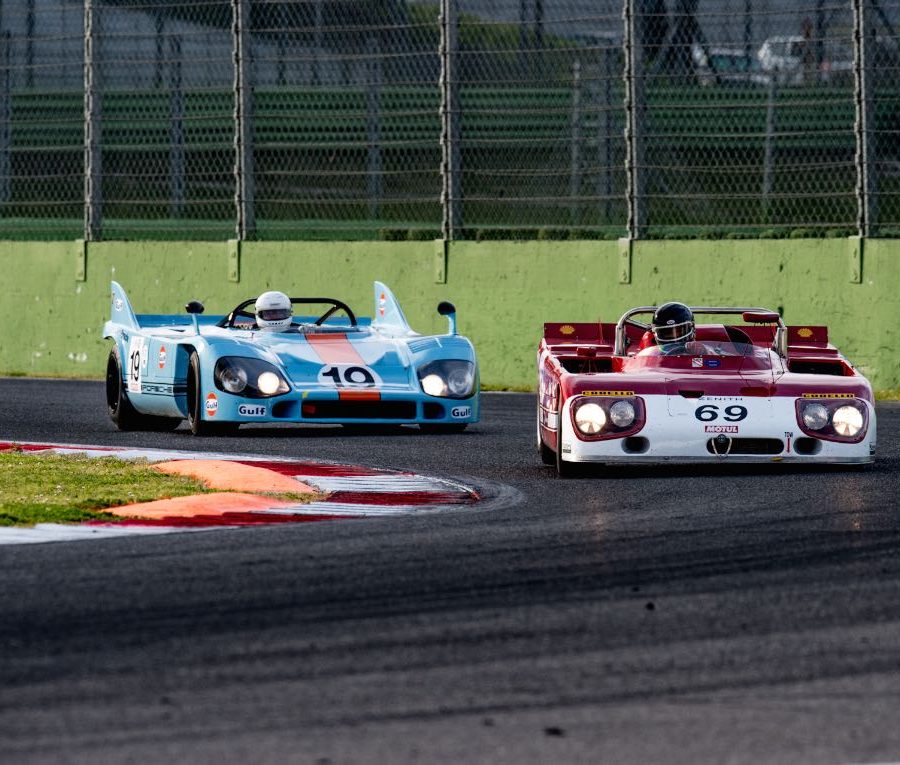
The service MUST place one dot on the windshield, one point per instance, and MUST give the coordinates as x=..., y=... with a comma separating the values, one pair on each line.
x=705, y=356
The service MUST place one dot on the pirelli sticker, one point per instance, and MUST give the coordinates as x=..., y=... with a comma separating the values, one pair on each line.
x=829, y=395
x=606, y=393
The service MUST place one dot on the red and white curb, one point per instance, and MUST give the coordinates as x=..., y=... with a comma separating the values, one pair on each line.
x=353, y=492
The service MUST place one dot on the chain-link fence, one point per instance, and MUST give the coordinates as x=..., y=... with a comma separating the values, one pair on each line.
x=344, y=119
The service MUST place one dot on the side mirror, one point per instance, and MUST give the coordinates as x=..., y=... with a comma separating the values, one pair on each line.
x=195, y=306
x=447, y=309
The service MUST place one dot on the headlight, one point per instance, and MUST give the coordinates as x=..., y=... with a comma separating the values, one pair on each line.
x=590, y=418
x=622, y=414
x=815, y=416
x=604, y=417
x=253, y=378
x=833, y=419
x=847, y=421
x=233, y=378
x=448, y=378
x=268, y=383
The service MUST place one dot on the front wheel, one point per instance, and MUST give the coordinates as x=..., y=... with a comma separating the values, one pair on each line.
x=199, y=426
x=120, y=409
x=564, y=468
x=548, y=456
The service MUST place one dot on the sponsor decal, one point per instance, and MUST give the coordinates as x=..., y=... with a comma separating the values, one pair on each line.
x=161, y=359
x=829, y=395
x=566, y=329
x=566, y=448
x=382, y=301
x=720, y=429
x=252, y=410
x=788, y=435
x=871, y=449
x=212, y=405
x=712, y=363
x=136, y=363
x=349, y=376
x=804, y=332
x=697, y=362
x=606, y=393
x=461, y=411
x=117, y=302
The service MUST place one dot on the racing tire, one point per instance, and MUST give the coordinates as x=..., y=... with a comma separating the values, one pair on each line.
x=121, y=410
x=548, y=456
x=199, y=426
x=443, y=427
x=564, y=468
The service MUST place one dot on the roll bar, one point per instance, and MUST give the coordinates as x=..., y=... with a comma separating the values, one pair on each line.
x=779, y=346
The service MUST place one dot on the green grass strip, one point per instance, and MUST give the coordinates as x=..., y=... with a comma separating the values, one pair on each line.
x=51, y=488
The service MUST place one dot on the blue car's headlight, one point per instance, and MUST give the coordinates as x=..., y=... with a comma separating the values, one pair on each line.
x=448, y=378
x=253, y=378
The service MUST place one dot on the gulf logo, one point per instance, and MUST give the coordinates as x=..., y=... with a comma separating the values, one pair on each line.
x=212, y=405
x=161, y=360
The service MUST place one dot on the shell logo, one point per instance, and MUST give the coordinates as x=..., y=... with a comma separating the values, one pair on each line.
x=566, y=329
x=804, y=332
x=212, y=405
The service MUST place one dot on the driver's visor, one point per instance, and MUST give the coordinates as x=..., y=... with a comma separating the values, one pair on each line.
x=274, y=314
x=671, y=333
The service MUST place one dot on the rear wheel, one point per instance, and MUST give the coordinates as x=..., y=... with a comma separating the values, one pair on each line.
x=199, y=426
x=120, y=409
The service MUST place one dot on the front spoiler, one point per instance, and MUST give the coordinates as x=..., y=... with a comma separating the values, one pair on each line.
x=733, y=459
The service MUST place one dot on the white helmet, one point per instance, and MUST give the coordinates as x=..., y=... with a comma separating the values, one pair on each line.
x=273, y=312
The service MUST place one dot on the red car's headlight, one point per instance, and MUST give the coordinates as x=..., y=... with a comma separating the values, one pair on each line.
x=595, y=418
x=843, y=419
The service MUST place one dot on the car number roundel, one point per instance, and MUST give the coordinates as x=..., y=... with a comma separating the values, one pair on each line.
x=349, y=376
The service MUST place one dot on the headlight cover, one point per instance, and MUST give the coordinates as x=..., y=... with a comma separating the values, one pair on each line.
x=595, y=418
x=448, y=378
x=843, y=419
x=251, y=378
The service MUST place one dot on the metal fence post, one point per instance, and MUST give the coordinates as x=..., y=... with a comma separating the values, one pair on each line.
x=5, y=118
x=451, y=163
x=634, y=128
x=176, y=131
x=768, y=181
x=373, y=126
x=864, y=96
x=245, y=226
x=93, y=155
x=575, y=151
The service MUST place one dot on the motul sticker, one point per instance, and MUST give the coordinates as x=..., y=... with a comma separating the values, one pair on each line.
x=721, y=429
x=460, y=412
x=161, y=359
x=212, y=405
x=252, y=410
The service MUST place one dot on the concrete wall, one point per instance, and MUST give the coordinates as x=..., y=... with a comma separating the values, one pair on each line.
x=503, y=291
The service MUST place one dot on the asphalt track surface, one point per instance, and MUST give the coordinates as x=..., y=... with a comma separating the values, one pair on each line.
x=727, y=615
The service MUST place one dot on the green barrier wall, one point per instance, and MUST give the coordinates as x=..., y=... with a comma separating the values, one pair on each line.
x=55, y=295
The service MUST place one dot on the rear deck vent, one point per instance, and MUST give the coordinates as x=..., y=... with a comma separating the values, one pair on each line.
x=817, y=367
x=586, y=366
x=691, y=393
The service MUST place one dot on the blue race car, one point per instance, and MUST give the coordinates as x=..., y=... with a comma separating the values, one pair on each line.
x=219, y=372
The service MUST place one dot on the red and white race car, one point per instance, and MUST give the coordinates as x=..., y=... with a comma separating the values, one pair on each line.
x=757, y=391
